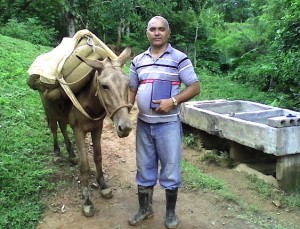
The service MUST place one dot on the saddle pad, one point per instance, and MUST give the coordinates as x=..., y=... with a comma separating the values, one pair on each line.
x=46, y=65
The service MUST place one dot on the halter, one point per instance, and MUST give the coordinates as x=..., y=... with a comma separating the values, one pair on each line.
x=110, y=114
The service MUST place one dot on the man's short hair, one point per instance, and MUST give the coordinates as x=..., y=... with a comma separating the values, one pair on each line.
x=166, y=23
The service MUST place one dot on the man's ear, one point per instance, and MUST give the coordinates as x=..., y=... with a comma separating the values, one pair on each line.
x=169, y=33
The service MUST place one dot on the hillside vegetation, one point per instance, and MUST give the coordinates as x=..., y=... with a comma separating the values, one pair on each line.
x=24, y=140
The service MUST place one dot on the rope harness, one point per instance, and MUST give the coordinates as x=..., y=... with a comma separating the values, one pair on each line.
x=100, y=96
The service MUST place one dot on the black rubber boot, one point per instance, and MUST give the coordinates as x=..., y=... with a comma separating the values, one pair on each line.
x=171, y=198
x=145, y=201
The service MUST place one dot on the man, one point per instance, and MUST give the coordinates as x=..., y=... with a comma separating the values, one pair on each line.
x=155, y=78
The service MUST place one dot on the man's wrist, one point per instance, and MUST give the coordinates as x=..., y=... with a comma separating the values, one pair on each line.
x=175, y=102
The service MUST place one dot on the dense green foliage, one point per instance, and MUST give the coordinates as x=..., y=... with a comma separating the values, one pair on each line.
x=253, y=41
x=30, y=30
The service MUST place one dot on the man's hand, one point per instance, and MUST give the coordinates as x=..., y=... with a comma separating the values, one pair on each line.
x=165, y=105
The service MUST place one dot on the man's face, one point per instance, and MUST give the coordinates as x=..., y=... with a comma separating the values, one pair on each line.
x=157, y=32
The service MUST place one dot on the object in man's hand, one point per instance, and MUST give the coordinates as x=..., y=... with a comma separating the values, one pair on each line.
x=161, y=89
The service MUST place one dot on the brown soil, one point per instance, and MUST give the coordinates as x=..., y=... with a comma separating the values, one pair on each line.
x=195, y=209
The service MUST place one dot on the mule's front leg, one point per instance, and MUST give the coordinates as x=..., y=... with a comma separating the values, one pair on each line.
x=87, y=207
x=105, y=190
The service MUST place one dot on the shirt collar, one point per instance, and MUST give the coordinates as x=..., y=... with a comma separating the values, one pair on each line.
x=169, y=49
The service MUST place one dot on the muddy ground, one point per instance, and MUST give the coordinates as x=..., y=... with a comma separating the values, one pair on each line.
x=195, y=208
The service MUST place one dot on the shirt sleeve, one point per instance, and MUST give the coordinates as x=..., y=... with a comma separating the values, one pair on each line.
x=186, y=71
x=133, y=77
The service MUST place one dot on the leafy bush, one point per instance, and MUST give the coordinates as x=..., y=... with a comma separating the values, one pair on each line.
x=288, y=30
x=288, y=77
x=238, y=42
x=30, y=30
x=260, y=72
x=190, y=140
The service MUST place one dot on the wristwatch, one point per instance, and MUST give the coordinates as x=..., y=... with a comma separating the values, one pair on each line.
x=175, y=102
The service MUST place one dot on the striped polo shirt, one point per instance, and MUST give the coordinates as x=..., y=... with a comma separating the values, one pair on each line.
x=173, y=65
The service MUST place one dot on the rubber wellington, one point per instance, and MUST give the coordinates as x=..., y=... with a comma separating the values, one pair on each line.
x=145, y=211
x=171, y=199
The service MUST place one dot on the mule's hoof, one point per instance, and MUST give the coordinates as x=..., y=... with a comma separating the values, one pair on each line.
x=106, y=193
x=88, y=210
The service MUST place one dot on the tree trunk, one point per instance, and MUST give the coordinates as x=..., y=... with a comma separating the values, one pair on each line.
x=71, y=25
x=195, y=41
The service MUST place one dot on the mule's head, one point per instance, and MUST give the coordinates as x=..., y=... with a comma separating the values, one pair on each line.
x=112, y=90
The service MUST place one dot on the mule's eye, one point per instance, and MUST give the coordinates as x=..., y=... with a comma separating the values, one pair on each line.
x=105, y=87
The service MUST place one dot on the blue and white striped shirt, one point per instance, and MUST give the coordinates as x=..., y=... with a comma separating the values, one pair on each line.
x=173, y=65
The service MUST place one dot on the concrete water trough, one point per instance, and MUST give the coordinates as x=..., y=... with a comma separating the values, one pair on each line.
x=272, y=130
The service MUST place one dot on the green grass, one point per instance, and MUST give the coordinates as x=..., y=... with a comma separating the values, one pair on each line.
x=215, y=87
x=23, y=155
x=291, y=200
x=195, y=179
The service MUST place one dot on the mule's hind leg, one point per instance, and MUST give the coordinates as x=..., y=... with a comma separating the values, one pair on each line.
x=70, y=149
x=53, y=127
x=105, y=190
x=87, y=207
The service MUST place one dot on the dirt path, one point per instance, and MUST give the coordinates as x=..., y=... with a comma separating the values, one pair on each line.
x=196, y=209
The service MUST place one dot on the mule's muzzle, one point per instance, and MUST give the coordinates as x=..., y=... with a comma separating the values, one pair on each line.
x=124, y=129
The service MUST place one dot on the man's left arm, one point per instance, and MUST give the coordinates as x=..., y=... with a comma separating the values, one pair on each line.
x=188, y=93
x=189, y=77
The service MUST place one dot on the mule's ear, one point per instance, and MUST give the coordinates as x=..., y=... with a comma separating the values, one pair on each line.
x=96, y=64
x=123, y=57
